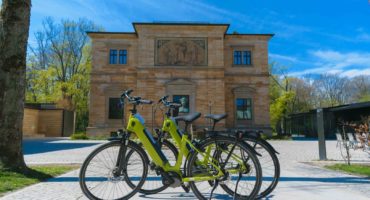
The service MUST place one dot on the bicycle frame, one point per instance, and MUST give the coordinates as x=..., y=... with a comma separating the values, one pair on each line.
x=136, y=125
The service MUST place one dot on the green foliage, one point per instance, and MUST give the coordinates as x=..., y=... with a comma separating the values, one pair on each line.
x=276, y=137
x=59, y=66
x=14, y=179
x=42, y=86
x=79, y=136
x=364, y=98
x=279, y=107
x=352, y=169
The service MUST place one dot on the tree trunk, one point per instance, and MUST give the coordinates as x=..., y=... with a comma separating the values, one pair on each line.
x=14, y=27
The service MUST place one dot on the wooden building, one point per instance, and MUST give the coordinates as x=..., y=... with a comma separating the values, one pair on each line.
x=46, y=120
x=305, y=124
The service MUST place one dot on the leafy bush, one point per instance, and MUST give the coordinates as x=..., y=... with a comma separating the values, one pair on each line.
x=79, y=136
x=276, y=137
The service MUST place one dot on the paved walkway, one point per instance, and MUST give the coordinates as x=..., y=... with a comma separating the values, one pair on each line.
x=299, y=180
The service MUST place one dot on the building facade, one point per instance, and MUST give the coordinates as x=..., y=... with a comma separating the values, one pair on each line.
x=199, y=65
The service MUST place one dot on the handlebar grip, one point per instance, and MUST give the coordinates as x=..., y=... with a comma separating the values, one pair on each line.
x=128, y=92
x=173, y=105
x=143, y=101
x=164, y=98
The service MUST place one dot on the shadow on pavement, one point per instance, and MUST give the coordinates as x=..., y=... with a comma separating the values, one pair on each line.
x=282, y=179
x=42, y=146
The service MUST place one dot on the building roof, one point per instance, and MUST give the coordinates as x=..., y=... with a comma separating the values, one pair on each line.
x=350, y=106
x=134, y=24
x=42, y=106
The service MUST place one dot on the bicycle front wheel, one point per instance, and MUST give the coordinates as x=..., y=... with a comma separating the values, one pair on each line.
x=243, y=175
x=99, y=178
x=153, y=183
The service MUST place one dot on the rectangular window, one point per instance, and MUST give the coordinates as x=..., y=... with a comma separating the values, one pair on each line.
x=244, y=109
x=237, y=57
x=184, y=100
x=247, y=58
x=242, y=58
x=115, y=109
x=123, y=56
x=113, y=56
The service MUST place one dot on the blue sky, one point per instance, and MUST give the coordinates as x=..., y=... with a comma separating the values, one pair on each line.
x=312, y=36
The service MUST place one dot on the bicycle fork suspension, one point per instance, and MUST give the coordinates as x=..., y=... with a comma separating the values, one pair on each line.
x=121, y=159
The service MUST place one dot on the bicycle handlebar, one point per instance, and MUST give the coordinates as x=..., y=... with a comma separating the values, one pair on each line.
x=133, y=100
x=163, y=99
x=169, y=104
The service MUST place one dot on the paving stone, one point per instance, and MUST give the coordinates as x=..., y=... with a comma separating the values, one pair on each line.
x=299, y=180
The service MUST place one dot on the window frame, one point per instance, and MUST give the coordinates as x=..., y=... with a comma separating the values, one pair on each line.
x=115, y=59
x=112, y=56
x=245, y=108
x=243, y=58
x=114, y=116
x=122, y=56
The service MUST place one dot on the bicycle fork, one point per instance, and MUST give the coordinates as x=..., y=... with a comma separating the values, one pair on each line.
x=120, y=167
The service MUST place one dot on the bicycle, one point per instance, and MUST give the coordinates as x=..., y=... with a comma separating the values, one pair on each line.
x=271, y=165
x=123, y=164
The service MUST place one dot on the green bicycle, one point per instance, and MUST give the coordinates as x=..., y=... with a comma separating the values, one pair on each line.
x=267, y=154
x=118, y=169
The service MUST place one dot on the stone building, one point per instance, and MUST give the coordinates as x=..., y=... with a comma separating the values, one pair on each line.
x=198, y=64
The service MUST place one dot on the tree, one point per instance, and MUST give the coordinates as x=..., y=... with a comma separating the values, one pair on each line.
x=59, y=66
x=304, y=94
x=14, y=27
x=361, y=85
x=332, y=90
x=279, y=110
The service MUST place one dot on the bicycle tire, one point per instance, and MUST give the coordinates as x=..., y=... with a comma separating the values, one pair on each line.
x=225, y=140
x=266, y=190
x=132, y=146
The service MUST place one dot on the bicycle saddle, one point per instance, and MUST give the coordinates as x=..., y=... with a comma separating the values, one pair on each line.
x=188, y=118
x=216, y=117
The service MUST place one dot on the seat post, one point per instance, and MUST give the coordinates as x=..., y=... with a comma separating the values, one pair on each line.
x=214, y=125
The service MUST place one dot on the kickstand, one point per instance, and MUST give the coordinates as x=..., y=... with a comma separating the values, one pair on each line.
x=237, y=183
x=213, y=189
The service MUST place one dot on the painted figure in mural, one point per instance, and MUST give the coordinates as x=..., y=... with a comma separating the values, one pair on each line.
x=184, y=108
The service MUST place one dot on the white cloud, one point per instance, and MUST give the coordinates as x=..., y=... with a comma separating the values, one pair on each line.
x=282, y=57
x=335, y=59
x=335, y=62
x=355, y=72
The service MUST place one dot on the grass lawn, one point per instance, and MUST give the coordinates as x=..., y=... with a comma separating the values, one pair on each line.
x=12, y=180
x=352, y=169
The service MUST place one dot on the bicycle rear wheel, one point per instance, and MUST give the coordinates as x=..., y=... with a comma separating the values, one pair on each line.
x=242, y=185
x=269, y=163
x=98, y=179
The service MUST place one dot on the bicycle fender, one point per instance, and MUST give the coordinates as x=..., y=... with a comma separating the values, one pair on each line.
x=252, y=149
x=268, y=145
